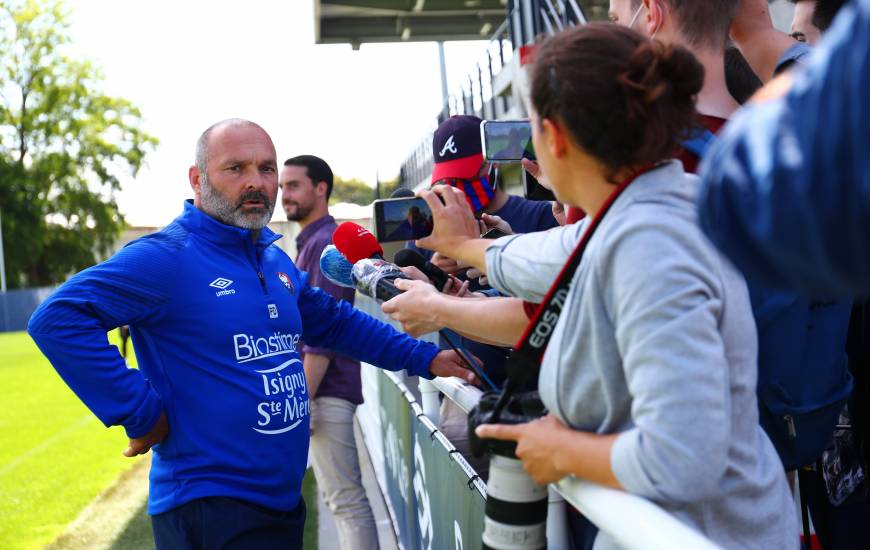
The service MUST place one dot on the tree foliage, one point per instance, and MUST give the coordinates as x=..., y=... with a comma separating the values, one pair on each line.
x=352, y=190
x=64, y=147
x=358, y=192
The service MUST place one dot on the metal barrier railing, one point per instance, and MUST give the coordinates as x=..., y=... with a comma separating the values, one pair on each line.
x=632, y=521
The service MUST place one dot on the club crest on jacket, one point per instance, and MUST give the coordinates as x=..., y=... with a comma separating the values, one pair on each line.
x=285, y=280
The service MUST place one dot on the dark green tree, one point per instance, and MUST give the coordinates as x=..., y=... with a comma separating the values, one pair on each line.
x=359, y=192
x=64, y=147
x=352, y=190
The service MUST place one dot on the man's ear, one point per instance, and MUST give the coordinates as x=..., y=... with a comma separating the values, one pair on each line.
x=193, y=175
x=657, y=12
x=321, y=188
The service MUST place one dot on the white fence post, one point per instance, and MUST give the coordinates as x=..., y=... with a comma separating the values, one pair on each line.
x=557, y=521
x=430, y=402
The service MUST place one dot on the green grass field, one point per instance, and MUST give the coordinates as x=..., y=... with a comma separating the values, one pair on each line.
x=56, y=457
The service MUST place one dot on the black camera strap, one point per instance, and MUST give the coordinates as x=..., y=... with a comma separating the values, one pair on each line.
x=524, y=363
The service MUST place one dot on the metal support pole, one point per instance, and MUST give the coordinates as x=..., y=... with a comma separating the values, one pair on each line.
x=443, y=63
x=480, y=90
x=492, y=99
x=530, y=15
x=468, y=100
x=2, y=258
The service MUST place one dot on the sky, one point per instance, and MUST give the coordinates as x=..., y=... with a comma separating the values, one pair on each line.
x=187, y=64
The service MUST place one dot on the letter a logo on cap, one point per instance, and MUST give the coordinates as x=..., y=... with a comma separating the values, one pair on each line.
x=449, y=146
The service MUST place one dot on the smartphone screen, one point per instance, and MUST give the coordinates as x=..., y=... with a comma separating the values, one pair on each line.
x=507, y=140
x=404, y=219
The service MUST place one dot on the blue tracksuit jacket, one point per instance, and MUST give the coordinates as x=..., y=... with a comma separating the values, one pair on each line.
x=217, y=322
x=786, y=188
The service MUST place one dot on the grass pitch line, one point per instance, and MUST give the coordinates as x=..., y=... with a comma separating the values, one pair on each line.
x=117, y=518
x=25, y=456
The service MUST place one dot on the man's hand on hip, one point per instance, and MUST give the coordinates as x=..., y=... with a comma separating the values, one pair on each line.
x=141, y=445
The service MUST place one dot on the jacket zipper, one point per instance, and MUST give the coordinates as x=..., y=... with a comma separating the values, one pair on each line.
x=262, y=281
x=792, y=432
x=256, y=261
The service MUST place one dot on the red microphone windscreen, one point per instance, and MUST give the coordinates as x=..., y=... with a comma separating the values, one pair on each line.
x=355, y=242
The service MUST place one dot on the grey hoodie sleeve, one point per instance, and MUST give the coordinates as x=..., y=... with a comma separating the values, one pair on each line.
x=525, y=266
x=663, y=287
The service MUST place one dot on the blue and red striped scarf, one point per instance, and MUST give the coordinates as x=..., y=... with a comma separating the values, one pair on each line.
x=478, y=192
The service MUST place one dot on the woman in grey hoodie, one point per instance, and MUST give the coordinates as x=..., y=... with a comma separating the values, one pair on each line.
x=650, y=373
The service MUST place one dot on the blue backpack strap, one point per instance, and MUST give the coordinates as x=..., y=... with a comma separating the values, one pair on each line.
x=699, y=142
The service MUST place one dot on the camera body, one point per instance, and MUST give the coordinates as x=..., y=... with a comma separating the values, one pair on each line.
x=520, y=408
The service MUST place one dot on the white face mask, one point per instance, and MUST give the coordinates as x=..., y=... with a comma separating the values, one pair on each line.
x=634, y=20
x=636, y=15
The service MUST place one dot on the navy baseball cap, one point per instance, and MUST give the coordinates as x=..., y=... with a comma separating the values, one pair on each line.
x=457, y=149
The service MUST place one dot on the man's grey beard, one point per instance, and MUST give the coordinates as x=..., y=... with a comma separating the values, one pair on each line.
x=217, y=206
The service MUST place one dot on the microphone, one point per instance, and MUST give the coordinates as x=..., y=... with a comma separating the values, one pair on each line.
x=374, y=278
x=410, y=257
x=356, y=242
x=335, y=267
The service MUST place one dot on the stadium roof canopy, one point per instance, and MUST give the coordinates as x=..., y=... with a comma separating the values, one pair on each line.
x=357, y=21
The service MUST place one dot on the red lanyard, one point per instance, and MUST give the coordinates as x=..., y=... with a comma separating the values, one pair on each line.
x=524, y=363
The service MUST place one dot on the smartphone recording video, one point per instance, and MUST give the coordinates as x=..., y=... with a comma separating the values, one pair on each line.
x=507, y=140
x=404, y=219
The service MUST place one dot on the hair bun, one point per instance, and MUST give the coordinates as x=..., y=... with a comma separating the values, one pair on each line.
x=656, y=70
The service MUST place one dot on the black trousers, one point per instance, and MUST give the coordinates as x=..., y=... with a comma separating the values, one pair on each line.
x=229, y=524
x=843, y=527
x=581, y=531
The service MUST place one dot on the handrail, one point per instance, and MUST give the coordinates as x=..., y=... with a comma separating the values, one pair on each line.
x=632, y=521
x=460, y=460
x=460, y=392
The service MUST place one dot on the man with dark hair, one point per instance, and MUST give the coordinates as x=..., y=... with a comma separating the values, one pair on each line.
x=702, y=27
x=700, y=23
x=314, y=171
x=812, y=18
x=333, y=379
x=216, y=313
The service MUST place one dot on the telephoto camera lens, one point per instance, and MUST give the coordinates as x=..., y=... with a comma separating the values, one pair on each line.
x=516, y=508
